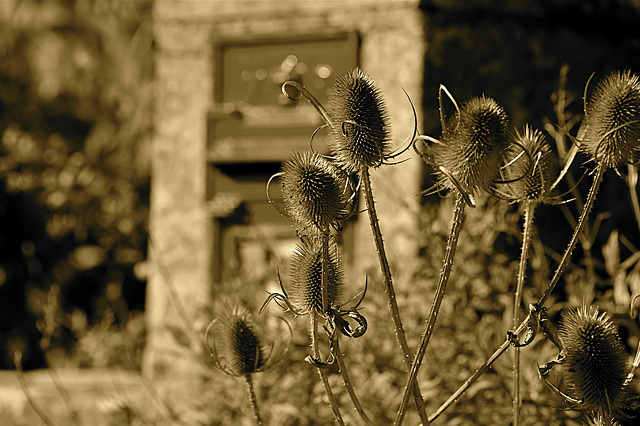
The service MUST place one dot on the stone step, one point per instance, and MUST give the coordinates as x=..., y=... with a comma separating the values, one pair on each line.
x=102, y=397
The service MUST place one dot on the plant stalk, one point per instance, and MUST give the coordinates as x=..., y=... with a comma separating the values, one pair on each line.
x=321, y=371
x=529, y=208
x=595, y=186
x=252, y=398
x=479, y=372
x=632, y=182
x=324, y=280
x=391, y=295
x=324, y=283
x=445, y=273
x=347, y=381
x=554, y=281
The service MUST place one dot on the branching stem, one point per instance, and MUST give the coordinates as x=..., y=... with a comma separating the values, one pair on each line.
x=554, y=281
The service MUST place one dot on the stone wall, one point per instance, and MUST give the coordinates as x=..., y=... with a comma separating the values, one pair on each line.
x=392, y=51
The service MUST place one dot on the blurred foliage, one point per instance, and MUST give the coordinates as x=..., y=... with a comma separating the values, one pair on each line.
x=75, y=128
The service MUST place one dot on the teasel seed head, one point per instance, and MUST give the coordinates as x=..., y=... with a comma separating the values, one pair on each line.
x=471, y=145
x=599, y=420
x=611, y=126
x=238, y=346
x=532, y=175
x=596, y=360
x=315, y=192
x=305, y=292
x=361, y=134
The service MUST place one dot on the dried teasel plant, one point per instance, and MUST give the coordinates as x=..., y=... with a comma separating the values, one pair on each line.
x=359, y=138
x=240, y=346
x=529, y=177
x=610, y=133
x=306, y=297
x=611, y=109
x=595, y=359
x=466, y=158
x=530, y=170
x=468, y=154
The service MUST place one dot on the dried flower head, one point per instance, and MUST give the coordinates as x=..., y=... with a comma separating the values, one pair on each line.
x=305, y=294
x=469, y=152
x=531, y=167
x=610, y=133
x=239, y=346
x=598, y=420
x=596, y=361
x=361, y=136
x=315, y=192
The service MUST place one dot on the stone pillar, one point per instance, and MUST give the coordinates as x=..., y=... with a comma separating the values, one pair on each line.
x=179, y=227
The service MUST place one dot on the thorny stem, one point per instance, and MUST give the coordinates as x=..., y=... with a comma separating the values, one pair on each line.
x=325, y=273
x=347, y=381
x=391, y=295
x=634, y=367
x=632, y=181
x=17, y=361
x=529, y=208
x=321, y=371
x=597, y=180
x=554, y=281
x=252, y=398
x=445, y=273
x=479, y=372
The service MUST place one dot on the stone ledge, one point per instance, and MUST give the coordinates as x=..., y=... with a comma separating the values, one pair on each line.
x=101, y=396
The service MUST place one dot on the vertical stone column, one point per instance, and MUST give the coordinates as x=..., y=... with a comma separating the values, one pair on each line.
x=180, y=247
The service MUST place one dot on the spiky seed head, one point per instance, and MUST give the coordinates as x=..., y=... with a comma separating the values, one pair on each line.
x=239, y=347
x=471, y=145
x=356, y=106
x=306, y=276
x=314, y=191
x=596, y=361
x=598, y=420
x=532, y=174
x=611, y=126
